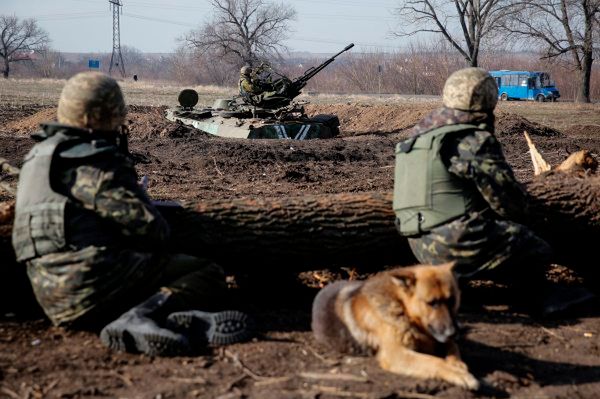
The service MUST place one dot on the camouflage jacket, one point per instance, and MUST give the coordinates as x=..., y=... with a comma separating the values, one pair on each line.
x=114, y=235
x=477, y=157
x=107, y=185
x=249, y=86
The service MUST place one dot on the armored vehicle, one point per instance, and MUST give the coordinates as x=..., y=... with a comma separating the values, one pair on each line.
x=272, y=115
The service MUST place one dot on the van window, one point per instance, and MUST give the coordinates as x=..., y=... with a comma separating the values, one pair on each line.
x=523, y=80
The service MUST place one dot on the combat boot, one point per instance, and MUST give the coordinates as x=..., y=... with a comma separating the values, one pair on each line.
x=138, y=330
x=207, y=328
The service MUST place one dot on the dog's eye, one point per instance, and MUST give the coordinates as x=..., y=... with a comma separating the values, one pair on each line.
x=435, y=303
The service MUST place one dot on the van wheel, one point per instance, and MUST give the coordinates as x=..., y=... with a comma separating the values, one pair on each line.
x=540, y=98
x=504, y=97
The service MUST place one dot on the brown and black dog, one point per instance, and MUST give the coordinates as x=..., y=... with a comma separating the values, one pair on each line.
x=406, y=316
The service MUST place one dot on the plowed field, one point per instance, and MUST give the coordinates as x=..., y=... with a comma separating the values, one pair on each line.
x=514, y=354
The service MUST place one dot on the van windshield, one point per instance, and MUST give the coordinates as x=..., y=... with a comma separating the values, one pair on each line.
x=543, y=80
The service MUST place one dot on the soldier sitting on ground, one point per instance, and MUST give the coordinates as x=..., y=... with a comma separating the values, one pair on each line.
x=95, y=245
x=456, y=197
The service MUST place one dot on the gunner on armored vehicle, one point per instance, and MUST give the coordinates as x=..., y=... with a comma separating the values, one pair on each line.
x=248, y=86
x=253, y=89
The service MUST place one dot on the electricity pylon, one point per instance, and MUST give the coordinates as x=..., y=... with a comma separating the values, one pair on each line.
x=116, y=59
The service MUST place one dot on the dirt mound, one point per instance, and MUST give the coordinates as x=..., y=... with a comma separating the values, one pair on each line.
x=357, y=119
x=147, y=122
x=508, y=124
x=31, y=123
x=583, y=130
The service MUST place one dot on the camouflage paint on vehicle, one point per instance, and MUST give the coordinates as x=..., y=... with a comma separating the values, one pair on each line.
x=303, y=128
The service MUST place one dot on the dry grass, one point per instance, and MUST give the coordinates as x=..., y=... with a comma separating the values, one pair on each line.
x=559, y=115
x=47, y=92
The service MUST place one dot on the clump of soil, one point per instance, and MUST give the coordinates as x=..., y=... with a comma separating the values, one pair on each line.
x=30, y=123
x=357, y=119
x=583, y=130
x=508, y=124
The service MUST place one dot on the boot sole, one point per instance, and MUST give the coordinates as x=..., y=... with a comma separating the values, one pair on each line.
x=152, y=344
x=221, y=328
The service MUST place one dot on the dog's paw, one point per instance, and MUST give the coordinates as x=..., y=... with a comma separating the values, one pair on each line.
x=468, y=381
x=461, y=377
x=456, y=362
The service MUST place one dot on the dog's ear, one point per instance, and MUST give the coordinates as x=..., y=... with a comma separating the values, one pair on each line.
x=449, y=266
x=404, y=278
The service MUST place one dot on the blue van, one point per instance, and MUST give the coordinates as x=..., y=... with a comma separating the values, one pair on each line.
x=525, y=85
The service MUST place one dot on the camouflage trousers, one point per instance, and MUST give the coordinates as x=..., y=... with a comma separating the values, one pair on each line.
x=92, y=286
x=485, y=248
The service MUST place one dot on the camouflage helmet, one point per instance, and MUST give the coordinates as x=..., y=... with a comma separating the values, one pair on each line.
x=470, y=89
x=246, y=70
x=92, y=100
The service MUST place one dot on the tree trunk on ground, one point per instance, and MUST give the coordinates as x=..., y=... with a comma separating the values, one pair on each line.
x=566, y=212
x=313, y=232
x=307, y=232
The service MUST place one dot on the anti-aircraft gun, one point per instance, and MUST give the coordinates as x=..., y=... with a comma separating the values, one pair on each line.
x=285, y=90
x=269, y=115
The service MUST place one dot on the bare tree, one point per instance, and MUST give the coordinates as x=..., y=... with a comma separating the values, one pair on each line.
x=244, y=31
x=566, y=28
x=17, y=38
x=48, y=63
x=463, y=23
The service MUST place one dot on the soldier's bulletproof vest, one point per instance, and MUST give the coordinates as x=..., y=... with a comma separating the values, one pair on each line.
x=426, y=194
x=243, y=91
x=40, y=225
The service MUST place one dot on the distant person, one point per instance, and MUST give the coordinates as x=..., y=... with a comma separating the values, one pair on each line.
x=253, y=90
x=249, y=85
x=94, y=244
x=457, y=199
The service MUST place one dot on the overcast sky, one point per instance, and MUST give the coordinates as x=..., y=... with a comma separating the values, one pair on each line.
x=155, y=25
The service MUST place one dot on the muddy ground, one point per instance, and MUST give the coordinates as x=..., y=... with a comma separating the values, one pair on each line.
x=515, y=355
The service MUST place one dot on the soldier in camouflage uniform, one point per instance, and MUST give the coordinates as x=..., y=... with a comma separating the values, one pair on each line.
x=94, y=244
x=255, y=91
x=248, y=86
x=455, y=196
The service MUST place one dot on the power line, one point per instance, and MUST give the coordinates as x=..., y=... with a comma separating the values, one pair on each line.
x=165, y=21
x=347, y=17
x=318, y=40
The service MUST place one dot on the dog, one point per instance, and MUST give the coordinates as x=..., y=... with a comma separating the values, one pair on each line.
x=405, y=316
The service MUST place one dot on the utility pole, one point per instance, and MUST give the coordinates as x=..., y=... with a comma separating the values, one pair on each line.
x=116, y=59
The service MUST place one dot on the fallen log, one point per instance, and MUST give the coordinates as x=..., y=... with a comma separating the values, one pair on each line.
x=292, y=232
x=325, y=231
x=354, y=229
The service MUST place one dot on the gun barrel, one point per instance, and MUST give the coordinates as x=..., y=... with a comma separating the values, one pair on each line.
x=314, y=70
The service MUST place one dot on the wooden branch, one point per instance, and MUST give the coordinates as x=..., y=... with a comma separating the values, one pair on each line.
x=539, y=163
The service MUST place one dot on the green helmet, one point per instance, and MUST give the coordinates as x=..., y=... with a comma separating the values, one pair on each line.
x=470, y=89
x=246, y=70
x=92, y=100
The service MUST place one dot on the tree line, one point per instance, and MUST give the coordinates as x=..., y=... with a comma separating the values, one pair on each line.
x=560, y=36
